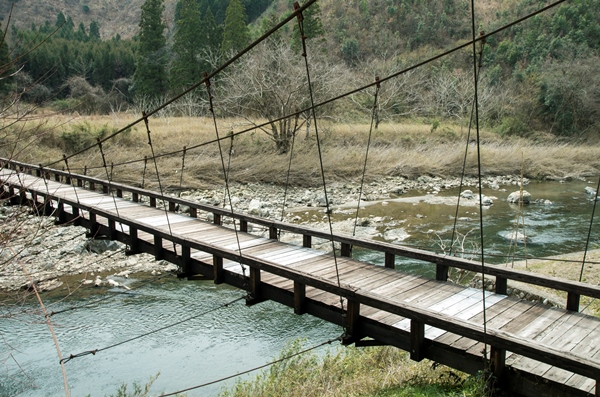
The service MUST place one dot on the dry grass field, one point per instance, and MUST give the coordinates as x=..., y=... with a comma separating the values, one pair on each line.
x=408, y=150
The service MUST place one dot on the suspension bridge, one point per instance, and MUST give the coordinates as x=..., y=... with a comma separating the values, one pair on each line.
x=530, y=348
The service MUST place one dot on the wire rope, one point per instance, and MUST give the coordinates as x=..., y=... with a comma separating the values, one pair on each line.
x=330, y=341
x=95, y=351
x=587, y=242
x=476, y=66
x=362, y=180
x=320, y=153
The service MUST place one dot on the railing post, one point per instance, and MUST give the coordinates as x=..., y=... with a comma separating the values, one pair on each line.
x=120, y=193
x=273, y=233
x=112, y=229
x=573, y=301
x=346, y=250
x=417, y=340
x=243, y=225
x=307, y=241
x=193, y=212
x=92, y=186
x=61, y=217
x=299, y=297
x=390, y=260
x=217, y=219
x=441, y=272
x=94, y=227
x=135, y=197
x=171, y=206
x=152, y=201
x=104, y=189
x=501, y=285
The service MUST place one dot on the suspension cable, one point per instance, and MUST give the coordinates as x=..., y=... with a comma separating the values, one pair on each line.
x=319, y=150
x=110, y=190
x=162, y=194
x=287, y=178
x=476, y=67
x=587, y=242
x=225, y=174
x=330, y=341
x=362, y=180
x=93, y=352
x=182, y=169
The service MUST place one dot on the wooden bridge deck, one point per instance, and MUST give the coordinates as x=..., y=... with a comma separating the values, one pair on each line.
x=534, y=348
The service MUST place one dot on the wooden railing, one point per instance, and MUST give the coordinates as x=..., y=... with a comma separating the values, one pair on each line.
x=573, y=289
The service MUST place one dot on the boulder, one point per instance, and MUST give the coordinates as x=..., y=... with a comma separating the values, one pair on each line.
x=590, y=191
x=517, y=237
x=467, y=194
x=516, y=197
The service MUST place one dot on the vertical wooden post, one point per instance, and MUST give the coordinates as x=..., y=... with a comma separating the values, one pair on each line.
x=112, y=229
x=441, y=272
x=185, y=259
x=79, y=182
x=417, y=340
x=193, y=212
x=158, y=247
x=351, y=323
x=134, y=246
x=217, y=219
x=92, y=186
x=273, y=233
x=57, y=177
x=498, y=360
x=307, y=241
x=501, y=285
x=346, y=250
x=171, y=206
x=243, y=226
x=390, y=260
x=218, y=269
x=93, y=225
x=299, y=297
x=120, y=193
x=255, y=293
x=152, y=201
x=573, y=301
x=104, y=189
x=76, y=216
x=135, y=197
x=61, y=217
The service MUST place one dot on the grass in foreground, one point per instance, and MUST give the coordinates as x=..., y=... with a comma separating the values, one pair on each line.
x=368, y=372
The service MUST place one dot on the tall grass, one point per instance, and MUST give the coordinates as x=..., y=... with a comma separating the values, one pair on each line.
x=408, y=150
x=378, y=371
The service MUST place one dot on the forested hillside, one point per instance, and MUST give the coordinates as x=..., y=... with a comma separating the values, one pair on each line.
x=538, y=75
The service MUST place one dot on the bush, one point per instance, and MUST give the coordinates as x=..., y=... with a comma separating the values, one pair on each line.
x=513, y=126
x=83, y=135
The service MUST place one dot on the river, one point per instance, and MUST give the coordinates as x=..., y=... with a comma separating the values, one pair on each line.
x=212, y=344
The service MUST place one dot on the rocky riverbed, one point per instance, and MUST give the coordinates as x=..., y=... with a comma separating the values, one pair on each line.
x=35, y=249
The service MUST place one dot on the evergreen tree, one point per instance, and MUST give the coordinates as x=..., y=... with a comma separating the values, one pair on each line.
x=150, y=78
x=81, y=35
x=313, y=26
x=214, y=33
x=187, y=46
x=94, y=31
x=235, y=34
x=60, y=19
x=6, y=65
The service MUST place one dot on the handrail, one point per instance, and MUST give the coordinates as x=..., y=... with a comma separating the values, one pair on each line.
x=573, y=288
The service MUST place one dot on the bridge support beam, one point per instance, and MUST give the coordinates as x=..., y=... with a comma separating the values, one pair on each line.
x=61, y=216
x=351, y=323
x=441, y=272
x=185, y=260
x=94, y=227
x=158, y=247
x=254, y=295
x=417, y=340
x=346, y=250
x=134, y=245
x=573, y=301
x=218, y=269
x=498, y=361
x=299, y=297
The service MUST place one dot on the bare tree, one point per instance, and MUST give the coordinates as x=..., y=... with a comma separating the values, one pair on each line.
x=271, y=84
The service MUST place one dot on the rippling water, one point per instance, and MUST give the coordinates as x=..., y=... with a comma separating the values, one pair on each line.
x=211, y=346
x=237, y=338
